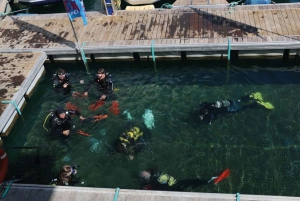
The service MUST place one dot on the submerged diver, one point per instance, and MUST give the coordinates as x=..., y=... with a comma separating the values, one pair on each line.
x=66, y=176
x=104, y=81
x=61, y=121
x=61, y=80
x=131, y=142
x=210, y=111
x=157, y=180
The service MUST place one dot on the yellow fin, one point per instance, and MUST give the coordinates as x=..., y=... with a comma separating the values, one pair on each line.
x=256, y=96
x=266, y=105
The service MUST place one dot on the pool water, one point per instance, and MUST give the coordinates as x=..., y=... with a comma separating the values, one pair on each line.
x=259, y=146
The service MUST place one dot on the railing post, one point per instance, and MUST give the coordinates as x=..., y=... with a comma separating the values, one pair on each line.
x=153, y=56
x=116, y=194
x=14, y=103
x=237, y=197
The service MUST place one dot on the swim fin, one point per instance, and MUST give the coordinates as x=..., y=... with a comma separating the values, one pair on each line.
x=266, y=105
x=256, y=96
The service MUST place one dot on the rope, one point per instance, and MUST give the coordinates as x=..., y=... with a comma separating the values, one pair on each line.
x=167, y=5
x=232, y=5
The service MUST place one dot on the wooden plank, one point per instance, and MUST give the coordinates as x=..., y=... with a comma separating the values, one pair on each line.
x=257, y=23
x=156, y=27
x=181, y=25
x=205, y=24
x=276, y=21
x=118, y=30
x=176, y=25
x=128, y=27
x=160, y=26
x=164, y=26
x=143, y=27
x=267, y=18
x=134, y=27
x=150, y=26
x=289, y=21
x=282, y=23
x=210, y=25
x=296, y=18
x=261, y=17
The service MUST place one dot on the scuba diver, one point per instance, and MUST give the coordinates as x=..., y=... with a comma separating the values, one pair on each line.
x=210, y=111
x=157, y=180
x=104, y=81
x=66, y=176
x=61, y=121
x=131, y=142
x=61, y=80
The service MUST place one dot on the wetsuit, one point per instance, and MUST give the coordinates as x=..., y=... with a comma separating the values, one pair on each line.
x=210, y=111
x=58, y=83
x=156, y=183
x=106, y=84
x=62, y=180
x=58, y=125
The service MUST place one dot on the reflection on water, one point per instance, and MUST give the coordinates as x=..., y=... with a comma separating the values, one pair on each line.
x=260, y=147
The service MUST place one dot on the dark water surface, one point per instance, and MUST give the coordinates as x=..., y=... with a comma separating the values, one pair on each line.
x=259, y=146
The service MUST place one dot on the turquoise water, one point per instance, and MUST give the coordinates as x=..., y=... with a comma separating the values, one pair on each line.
x=259, y=146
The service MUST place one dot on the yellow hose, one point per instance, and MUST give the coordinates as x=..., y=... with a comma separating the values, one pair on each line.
x=45, y=122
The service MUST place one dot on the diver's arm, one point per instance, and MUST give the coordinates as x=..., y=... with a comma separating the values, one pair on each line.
x=77, y=113
x=56, y=82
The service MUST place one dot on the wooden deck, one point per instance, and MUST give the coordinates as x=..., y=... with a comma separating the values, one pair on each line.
x=17, y=73
x=198, y=2
x=49, y=193
x=192, y=28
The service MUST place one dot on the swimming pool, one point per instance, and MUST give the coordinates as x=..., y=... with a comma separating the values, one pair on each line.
x=260, y=147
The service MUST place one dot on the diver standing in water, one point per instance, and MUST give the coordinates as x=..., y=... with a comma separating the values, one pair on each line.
x=210, y=111
x=61, y=121
x=61, y=80
x=104, y=81
x=66, y=176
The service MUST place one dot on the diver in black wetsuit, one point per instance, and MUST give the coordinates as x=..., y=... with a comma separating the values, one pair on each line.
x=157, y=180
x=210, y=111
x=104, y=81
x=61, y=121
x=61, y=80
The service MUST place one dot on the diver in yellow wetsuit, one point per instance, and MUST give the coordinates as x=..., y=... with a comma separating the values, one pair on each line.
x=130, y=142
x=210, y=111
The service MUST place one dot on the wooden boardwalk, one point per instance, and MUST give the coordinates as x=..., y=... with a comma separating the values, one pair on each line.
x=23, y=192
x=17, y=72
x=192, y=28
x=198, y=2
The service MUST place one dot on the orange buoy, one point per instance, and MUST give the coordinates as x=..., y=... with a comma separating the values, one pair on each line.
x=3, y=165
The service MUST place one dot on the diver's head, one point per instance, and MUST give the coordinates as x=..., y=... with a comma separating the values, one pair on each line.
x=61, y=73
x=67, y=170
x=61, y=113
x=101, y=73
x=145, y=175
x=203, y=112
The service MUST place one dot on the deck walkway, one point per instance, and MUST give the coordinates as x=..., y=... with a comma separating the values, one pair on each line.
x=198, y=2
x=18, y=74
x=192, y=28
x=49, y=193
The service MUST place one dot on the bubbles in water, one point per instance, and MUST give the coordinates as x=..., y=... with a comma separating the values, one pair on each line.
x=66, y=159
